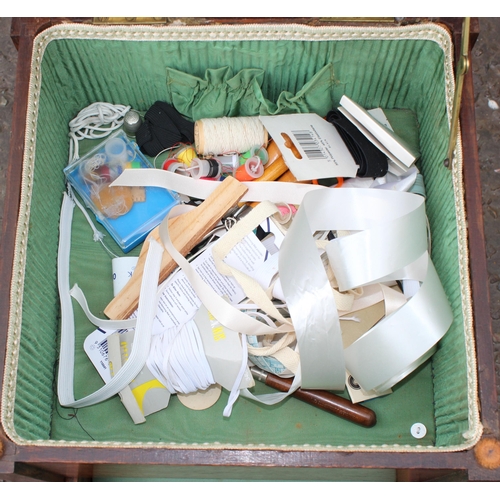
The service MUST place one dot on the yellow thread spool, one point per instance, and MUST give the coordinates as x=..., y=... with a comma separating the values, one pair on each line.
x=186, y=155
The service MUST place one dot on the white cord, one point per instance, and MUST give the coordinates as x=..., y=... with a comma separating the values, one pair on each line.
x=97, y=235
x=94, y=122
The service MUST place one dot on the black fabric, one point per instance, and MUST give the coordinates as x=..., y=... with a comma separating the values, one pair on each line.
x=162, y=128
x=372, y=162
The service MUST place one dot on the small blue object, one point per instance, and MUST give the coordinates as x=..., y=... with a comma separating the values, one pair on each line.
x=128, y=224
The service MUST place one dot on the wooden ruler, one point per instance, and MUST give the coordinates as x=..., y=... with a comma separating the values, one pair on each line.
x=186, y=231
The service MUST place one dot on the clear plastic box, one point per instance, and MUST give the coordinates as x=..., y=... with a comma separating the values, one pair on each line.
x=127, y=213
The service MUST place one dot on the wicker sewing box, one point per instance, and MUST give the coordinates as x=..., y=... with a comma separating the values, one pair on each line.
x=65, y=65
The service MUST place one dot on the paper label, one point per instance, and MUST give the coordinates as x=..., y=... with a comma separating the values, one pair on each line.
x=311, y=146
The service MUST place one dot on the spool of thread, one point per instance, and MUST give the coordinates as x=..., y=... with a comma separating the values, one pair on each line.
x=274, y=170
x=215, y=136
x=251, y=170
x=186, y=155
x=172, y=165
x=230, y=162
x=209, y=169
x=255, y=151
x=286, y=212
x=133, y=164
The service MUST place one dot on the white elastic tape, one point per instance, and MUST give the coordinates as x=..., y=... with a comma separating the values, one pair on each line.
x=146, y=313
x=111, y=324
x=276, y=192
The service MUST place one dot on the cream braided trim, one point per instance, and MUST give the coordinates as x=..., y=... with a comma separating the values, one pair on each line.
x=430, y=32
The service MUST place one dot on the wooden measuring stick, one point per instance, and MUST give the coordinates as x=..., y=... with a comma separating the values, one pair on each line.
x=186, y=231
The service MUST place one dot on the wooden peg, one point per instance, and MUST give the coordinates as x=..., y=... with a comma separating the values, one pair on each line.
x=186, y=231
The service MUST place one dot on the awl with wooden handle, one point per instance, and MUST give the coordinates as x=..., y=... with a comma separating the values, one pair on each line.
x=186, y=231
x=321, y=399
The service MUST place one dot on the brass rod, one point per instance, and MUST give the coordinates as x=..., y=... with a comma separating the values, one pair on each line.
x=462, y=68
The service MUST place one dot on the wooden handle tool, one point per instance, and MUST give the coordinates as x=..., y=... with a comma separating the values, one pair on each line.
x=186, y=231
x=321, y=399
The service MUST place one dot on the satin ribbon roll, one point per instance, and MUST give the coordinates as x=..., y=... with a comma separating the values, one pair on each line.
x=311, y=304
x=391, y=234
x=389, y=239
x=402, y=341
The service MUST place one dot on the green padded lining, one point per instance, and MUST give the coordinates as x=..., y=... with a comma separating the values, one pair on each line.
x=391, y=74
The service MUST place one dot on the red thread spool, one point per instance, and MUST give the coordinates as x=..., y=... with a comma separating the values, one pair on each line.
x=172, y=164
x=251, y=170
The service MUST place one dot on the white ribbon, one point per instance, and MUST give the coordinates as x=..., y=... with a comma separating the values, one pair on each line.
x=276, y=192
x=311, y=302
x=402, y=341
x=389, y=241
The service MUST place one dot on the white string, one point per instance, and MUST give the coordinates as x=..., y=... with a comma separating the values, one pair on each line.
x=90, y=122
x=97, y=235
x=220, y=135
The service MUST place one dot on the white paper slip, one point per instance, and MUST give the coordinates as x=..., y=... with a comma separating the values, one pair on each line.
x=311, y=147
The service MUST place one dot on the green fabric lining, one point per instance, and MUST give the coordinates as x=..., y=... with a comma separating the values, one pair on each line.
x=222, y=94
x=284, y=76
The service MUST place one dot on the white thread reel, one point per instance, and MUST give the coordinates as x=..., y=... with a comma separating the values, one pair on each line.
x=210, y=168
x=215, y=136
